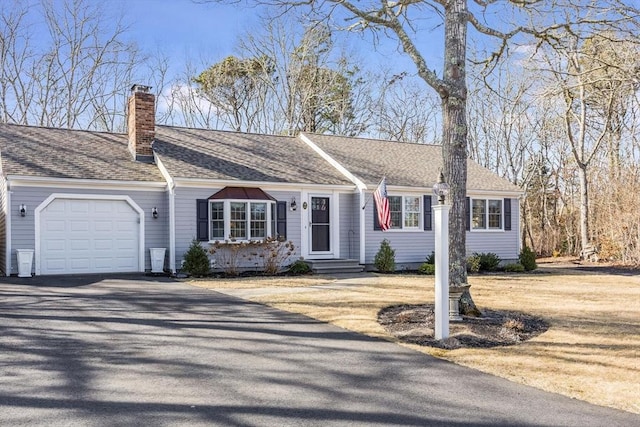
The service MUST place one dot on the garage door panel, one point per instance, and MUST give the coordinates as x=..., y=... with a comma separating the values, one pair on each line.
x=56, y=264
x=57, y=208
x=89, y=236
x=55, y=245
x=124, y=210
x=78, y=225
x=106, y=226
x=126, y=263
x=53, y=225
x=125, y=226
x=103, y=245
x=78, y=207
x=80, y=245
x=125, y=245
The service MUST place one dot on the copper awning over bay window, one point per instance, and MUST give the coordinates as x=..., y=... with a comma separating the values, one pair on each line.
x=241, y=193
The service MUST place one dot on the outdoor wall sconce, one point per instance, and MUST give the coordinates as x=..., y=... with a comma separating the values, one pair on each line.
x=154, y=212
x=23, y=210
x=293, y=206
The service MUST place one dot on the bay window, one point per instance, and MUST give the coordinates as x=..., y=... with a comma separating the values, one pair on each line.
x=241, y=220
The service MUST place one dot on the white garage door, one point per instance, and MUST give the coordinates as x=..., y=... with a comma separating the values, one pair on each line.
x=88, y=236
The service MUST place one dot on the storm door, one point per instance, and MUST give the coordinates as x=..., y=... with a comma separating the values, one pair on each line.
x=320, y=225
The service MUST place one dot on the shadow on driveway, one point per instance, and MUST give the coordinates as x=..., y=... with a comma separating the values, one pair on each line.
x=153, y=351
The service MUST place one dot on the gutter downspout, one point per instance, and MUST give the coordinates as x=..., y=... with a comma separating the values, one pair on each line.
x=171, y=186
x=172, y=228
x=363, y=231
x=7, y=232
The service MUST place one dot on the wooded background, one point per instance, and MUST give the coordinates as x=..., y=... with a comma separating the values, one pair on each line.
x=557, y=114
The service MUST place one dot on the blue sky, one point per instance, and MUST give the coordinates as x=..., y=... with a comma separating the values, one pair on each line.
x=182, y=27
x=185, y=29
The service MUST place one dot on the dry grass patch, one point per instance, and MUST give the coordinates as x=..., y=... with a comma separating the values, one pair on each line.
x=260, y=282
x=590, y=352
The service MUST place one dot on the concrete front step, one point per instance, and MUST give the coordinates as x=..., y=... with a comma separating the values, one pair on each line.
x=335, y=266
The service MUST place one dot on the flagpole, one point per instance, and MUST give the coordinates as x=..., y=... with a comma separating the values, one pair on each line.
x=371, y=195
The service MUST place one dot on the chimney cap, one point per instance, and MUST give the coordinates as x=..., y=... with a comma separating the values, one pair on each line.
x=140, y=88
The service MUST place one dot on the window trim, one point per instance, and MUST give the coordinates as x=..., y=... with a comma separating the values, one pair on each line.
x=486, y=228
x=226, y=215
x=420, y=212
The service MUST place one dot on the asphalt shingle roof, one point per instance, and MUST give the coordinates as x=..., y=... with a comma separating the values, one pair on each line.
x=211, y=154
x=404, y=164
x=223, y=155
x=65, y=153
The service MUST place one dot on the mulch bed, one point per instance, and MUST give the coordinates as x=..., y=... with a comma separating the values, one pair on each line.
x=415, y=324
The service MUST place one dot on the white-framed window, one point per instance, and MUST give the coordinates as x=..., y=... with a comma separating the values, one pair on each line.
x=239, y=220
x=406, y=212
x=486, y=214
x=216, y=213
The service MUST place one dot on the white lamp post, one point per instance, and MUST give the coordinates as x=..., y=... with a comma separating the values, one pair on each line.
x=441, y=214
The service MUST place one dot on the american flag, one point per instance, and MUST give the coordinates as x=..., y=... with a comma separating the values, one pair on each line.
x=382, y=205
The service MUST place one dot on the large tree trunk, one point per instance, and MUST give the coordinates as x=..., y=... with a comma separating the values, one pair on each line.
x=584, y=212
x=454, y=143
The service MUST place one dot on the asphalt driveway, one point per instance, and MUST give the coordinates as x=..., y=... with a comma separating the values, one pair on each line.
x=143, y=351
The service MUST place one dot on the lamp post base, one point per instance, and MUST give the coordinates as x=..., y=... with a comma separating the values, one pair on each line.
x=455, y=292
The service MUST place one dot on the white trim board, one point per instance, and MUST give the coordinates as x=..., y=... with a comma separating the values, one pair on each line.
x=94, y=184
x=333, y=162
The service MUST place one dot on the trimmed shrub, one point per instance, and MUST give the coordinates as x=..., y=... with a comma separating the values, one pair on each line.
x=514, y=268
x=489, y=261
x=385, y=260
x=528, y=259
x=299, y=267
x=431, y=259
x=427, y=268
x=473, y=263
x=196, y=261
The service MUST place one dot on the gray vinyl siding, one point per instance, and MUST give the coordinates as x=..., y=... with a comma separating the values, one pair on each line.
x=349, y=225
x=505, y=244
x=23, y=228
x=185, y=208
x=3, y=225
x=411, y=247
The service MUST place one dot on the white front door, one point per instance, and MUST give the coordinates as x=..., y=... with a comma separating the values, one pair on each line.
x=89, y=236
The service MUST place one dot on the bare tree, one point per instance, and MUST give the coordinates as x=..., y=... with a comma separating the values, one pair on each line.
x=502, y=119
x=405, y=112
x=75, y=76
x=404, y=19
x=590, y=98
x=17, y=57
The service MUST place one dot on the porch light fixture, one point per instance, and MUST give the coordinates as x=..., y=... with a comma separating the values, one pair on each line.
x=23, y=210
x=293, y=206
x=441, y=189
x=154, y=212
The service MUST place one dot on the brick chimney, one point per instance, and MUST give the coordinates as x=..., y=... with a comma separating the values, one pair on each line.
x=141, y=122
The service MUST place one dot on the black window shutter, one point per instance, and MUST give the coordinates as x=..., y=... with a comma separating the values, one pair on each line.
x=427, y=213
x=202, y=220
x=467, y=213
x=507, y=214
x=281, y=220
x=376, y=224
